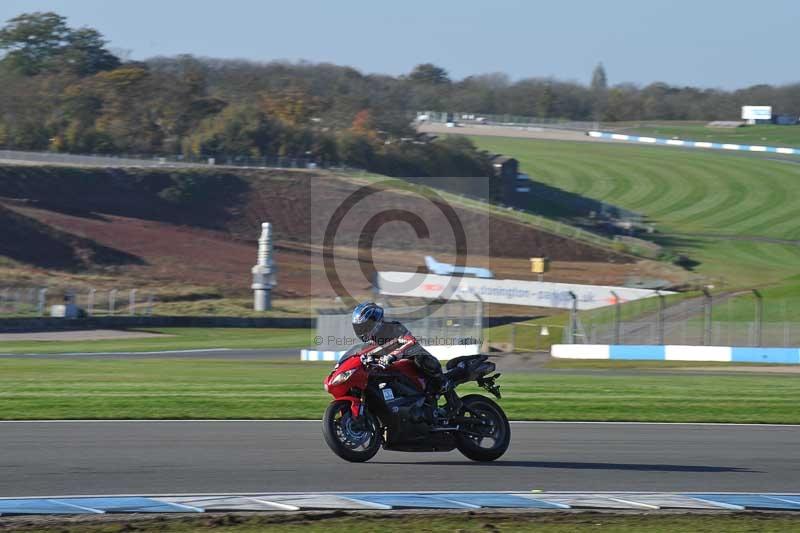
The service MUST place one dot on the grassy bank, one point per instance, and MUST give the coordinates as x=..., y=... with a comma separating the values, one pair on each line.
x=468, y=522
x=218, y=388
x=728, y=212
x=173, y=339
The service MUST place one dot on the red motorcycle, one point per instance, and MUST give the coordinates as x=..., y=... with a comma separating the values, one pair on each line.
x=376, y=406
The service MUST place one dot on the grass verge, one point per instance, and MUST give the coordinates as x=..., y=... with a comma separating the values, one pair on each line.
x=252, y=389
x=409, y=521
x=177, y=339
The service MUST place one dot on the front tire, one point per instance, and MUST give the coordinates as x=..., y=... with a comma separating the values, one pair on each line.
x=351, y=439
x=494, y=433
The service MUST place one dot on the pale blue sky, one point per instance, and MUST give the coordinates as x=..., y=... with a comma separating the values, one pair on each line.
x=710, y=43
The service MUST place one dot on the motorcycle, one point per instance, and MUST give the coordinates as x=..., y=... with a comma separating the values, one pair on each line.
x=376, y=406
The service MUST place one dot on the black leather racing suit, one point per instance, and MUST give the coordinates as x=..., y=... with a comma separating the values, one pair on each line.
x=399, y=343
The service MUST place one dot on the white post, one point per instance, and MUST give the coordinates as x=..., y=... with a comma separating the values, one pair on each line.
x=42, y=301
x=90, y=302
x=264, y=272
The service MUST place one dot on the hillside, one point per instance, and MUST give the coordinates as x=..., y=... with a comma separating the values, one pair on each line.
x=738, y=217
x=191, y=234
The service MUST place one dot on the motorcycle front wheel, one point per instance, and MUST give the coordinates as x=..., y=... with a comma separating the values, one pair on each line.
x=353, y=439
x=488, y=437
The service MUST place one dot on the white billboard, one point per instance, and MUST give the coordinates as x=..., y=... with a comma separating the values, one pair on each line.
x=506, y=291
x=757, y=112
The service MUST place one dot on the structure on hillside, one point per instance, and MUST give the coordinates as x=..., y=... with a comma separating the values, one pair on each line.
x=264, y=271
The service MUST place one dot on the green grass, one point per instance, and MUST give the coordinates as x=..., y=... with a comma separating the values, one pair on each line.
x=761, y=134
x=465, y=522
x=178, y=339
x=716, y=208
x=217, y=388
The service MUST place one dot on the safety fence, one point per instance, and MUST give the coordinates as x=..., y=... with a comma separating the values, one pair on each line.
x=742, y=318
x=503, y=120
x=445, y=329
x=170, y=161
x=41, y=301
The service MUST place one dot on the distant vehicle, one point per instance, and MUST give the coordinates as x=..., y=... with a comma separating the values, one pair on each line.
x=444, y=269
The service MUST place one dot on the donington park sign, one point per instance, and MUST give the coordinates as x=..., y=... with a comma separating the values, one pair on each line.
x=506, y=291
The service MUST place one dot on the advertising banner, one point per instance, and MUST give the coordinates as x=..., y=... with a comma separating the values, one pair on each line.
x=506, y=291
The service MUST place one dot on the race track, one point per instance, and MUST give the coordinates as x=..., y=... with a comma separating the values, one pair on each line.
x=85, y=457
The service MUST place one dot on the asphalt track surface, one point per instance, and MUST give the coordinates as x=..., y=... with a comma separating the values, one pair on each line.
x=159, y=457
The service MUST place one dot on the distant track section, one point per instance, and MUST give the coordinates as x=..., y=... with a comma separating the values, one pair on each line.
x=692, y=144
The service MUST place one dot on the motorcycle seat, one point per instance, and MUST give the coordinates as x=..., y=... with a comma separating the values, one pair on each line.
x=467, y=359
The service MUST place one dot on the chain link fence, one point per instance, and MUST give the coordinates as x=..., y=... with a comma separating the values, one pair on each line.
x=40, y=301
x=504, y=120
x=742, y=318
x=170, y=161
x=452, y=323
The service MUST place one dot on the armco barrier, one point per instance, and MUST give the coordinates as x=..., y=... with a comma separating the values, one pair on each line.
x=693, y=144
x=734, y=354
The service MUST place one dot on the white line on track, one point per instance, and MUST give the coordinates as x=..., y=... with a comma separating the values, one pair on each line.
x=269, y=420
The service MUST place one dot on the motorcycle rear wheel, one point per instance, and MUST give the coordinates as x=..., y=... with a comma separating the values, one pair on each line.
x=353, y=440
x=498, y=430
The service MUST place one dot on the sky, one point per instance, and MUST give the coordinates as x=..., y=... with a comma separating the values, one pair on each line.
x=711, y=43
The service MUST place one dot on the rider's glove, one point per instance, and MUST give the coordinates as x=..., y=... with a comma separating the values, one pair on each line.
x=386, y=360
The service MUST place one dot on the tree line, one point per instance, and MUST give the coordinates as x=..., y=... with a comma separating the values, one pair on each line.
x=61, y=89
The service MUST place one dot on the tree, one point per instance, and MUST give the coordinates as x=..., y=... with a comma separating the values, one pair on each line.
x=430, y=74
x=599, y=89
x=32, y=40
x=38, y=42
x=599, y=79
x=85, y=53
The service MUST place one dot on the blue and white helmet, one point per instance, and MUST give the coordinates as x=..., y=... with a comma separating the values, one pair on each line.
x=367, y=318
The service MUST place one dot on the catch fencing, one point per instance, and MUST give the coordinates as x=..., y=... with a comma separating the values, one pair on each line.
x=452, y=323
x=504, y=120
x=169, y=161
x=744, y=318
x=39, y=301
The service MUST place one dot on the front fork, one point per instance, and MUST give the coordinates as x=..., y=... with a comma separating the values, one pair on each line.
x=356, y=405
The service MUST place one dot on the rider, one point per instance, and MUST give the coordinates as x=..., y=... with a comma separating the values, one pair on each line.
x=397, y=342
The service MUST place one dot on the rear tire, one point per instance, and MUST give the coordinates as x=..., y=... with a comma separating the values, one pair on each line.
x=352, y=440
x=498, y=432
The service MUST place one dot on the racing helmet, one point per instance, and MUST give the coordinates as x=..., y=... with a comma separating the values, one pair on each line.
x=367, y=318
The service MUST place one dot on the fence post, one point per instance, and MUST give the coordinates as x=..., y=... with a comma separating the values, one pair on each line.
x=573, y=318
x=42, y=300
x=661, y=306
x=759, y=316
x=90, y=302
x=479, y=321
x=112, y=301
x=617, y=317
x=132, y=302
x=706, y=317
